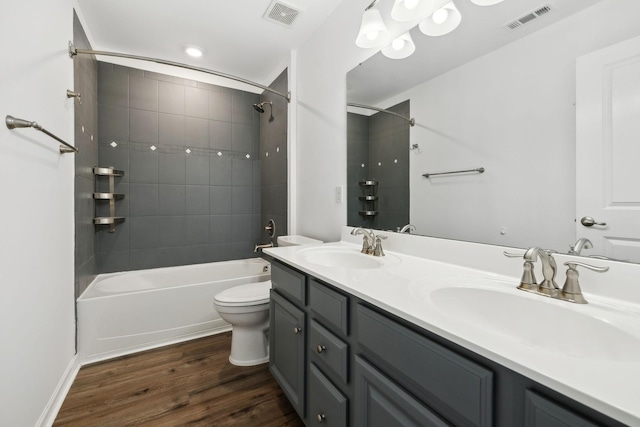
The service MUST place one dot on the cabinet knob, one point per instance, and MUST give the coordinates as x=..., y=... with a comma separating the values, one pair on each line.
x=320, y=417
x=321, y=348
x=297, y=330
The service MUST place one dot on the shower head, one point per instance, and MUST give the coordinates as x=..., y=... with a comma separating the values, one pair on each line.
x=260, y=107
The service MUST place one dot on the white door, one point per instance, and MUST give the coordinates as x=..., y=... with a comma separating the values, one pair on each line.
x=608, y=150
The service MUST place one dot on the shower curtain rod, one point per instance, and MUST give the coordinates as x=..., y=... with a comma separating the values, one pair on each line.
x=73, y=51
x=411, y=121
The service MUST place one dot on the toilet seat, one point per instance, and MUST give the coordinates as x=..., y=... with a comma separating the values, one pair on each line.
x=244, y=295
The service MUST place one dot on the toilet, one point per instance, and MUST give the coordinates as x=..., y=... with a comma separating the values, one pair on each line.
x=296, y=240
x=246, y=308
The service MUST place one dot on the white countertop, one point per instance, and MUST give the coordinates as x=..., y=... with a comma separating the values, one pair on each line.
x=605, y=378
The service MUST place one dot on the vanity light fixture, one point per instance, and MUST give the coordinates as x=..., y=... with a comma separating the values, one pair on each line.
x=400, y=48
x=442, y=21
x=485, y=2
x=193, y=51
x=446, y=18
x=410, y=10
x=373, y=32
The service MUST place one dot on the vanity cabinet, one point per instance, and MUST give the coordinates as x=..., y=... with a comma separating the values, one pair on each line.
x=287, y=331
x=452, y=385
x=353, y=364
x=542, y=412
x=379, y=402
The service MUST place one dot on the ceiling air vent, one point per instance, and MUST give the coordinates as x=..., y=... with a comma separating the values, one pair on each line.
x=281, y=13
x=543, y=10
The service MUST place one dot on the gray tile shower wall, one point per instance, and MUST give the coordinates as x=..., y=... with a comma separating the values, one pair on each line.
x=191, y=156
x=271, y=172
x=380, y=142
x=85, y=76
x=357, y=166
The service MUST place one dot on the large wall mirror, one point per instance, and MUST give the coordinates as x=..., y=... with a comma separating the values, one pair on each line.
x=487, y=96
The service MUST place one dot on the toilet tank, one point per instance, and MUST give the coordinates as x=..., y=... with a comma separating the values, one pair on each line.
x=296, y=240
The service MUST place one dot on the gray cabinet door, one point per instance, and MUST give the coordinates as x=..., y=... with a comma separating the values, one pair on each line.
x=286, y=349
x=327, y=404
x=379, y=402
x=542, y=412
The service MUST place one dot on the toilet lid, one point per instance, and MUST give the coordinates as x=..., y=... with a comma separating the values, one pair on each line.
x=249, y=294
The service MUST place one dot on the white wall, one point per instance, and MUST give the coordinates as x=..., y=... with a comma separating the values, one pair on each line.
x=36, y=185
x=321, y=138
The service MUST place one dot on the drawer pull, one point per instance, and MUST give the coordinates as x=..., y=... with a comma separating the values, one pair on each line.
x=320, y=417
x=321, y=348
x=297, y=330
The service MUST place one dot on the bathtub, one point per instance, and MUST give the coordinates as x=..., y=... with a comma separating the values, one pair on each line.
x=122, y=313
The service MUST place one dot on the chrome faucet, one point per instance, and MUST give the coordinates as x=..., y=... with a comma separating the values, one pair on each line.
x=571, y=291
x=263, y=246
x=371, y=243
x=367, y=239
x=582, y=243
x=407, y=228
x=548, y=285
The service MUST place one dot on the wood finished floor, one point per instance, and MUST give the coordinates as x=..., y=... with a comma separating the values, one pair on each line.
x=186, y=384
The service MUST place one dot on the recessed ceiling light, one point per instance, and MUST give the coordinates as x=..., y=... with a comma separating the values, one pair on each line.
x=194, y=51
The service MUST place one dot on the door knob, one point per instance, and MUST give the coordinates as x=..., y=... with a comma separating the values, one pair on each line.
x=588, y=221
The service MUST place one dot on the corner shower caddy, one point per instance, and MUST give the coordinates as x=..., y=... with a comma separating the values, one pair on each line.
x=368, y=198
x=111, y=197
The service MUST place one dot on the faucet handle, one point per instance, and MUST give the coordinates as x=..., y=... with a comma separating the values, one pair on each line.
x=512, y=255
x=571, y=290
x=528, y=281
x=377, y=251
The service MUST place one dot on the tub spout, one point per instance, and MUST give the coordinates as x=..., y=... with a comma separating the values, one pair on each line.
x=263, y=246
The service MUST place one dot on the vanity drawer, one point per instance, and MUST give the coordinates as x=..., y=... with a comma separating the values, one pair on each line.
x=327, y=404
x=330, y=350
x=330, y=306
x=458, y=389
x=289, y=282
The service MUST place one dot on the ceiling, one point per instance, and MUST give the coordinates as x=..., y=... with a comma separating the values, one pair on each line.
x=235, y=37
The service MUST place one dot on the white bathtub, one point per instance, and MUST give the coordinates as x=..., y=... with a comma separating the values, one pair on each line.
x=121, y=313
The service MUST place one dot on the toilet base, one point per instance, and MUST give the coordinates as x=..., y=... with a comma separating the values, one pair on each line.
x=249, y=346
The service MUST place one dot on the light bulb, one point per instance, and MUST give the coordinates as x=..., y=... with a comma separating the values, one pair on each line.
x=397, y=44
x=440, y=15
x=410, y=4
x=372, y=35
x=194, y=51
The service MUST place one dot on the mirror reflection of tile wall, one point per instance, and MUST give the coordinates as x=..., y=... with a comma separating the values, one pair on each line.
x=378, y=149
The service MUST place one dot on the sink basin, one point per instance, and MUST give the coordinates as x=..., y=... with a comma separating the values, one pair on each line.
x=340, y=258
x=580, y=331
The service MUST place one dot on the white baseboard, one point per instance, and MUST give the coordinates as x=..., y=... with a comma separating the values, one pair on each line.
x=50, y=412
